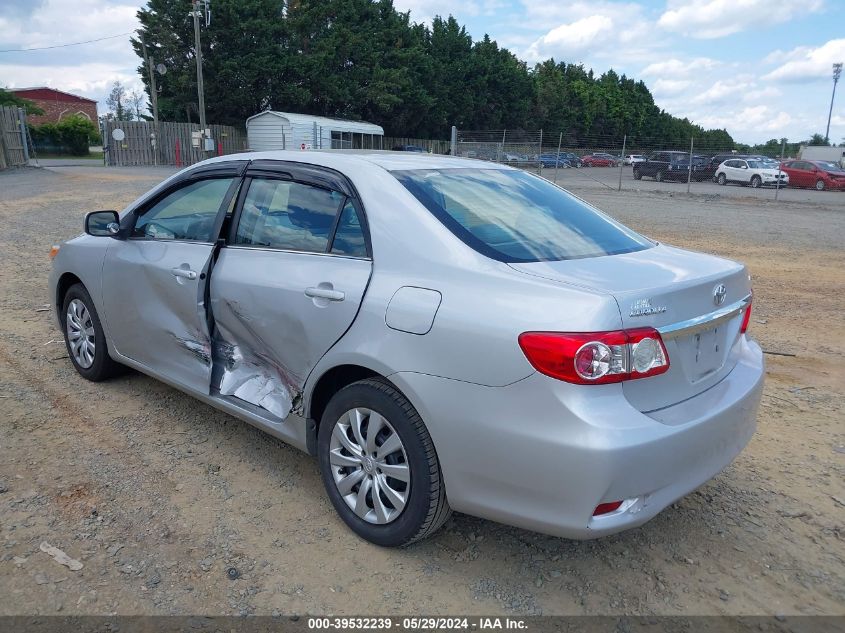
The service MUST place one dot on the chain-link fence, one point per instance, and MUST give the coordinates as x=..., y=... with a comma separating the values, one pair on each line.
x=643, y=163
x=519, y=148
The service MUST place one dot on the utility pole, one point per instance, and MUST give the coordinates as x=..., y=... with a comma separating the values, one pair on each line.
x=200, y=88
x=837, y=71
x=153, y=98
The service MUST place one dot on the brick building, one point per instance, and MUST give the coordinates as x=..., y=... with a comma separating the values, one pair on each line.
x=56, y=104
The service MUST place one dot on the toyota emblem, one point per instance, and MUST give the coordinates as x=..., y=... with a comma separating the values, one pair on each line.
x=719, y=294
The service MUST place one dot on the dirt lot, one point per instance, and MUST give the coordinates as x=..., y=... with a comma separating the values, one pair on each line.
x=159, y=496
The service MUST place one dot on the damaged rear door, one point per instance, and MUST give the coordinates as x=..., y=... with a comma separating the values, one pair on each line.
x=288, y=284
x=154, y=281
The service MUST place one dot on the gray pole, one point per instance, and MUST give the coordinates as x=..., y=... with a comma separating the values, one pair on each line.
x=837, y=71
x=153, y=98
x=22, y=122
x=200, y=87
x=782, y=150
x=622, y=162
x=539, y=160
x=689, y=167
x=557, y=156
x=454, y=141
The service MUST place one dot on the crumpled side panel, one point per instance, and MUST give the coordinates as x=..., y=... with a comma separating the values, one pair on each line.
x=244, y=369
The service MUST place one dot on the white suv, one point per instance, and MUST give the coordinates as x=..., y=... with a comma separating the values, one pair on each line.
x=750, y=172
x=632, y=159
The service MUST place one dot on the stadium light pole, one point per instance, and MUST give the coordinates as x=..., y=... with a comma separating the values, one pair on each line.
x=837, y=71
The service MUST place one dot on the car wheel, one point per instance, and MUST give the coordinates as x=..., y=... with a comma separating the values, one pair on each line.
x=379, y=465
x=721, y=179
x=659, y=176
x=84, y=336
x=820, y=185
x=637, y=175
x=756, y=182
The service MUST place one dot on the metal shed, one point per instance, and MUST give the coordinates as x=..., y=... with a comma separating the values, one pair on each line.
x=288, y=130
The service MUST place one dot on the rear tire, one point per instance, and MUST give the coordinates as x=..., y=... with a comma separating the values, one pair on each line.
x=84, y=336
x=722, y=179
x=756, y=182
x=344, y=429
x=820, y=185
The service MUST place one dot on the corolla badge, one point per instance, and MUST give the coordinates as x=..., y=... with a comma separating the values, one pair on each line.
x=719, y=294
x=643, y=307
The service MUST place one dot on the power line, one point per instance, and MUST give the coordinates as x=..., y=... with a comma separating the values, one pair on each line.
x=44, y=48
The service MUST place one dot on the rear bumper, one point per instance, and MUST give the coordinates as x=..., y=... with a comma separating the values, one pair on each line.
x=542, y=454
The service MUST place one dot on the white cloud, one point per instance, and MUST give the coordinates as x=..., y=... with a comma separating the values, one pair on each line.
x=585, y=31
x=709, y=19
x=757, y=120
x=670, y=87
x=805, y=64
x=675, y=68
x=572, y=38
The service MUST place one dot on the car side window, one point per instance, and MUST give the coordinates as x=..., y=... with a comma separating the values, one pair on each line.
x=349, y=236
x=189, y=213
x=288, y=215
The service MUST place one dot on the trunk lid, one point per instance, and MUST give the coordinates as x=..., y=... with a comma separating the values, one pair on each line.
x=663, y=287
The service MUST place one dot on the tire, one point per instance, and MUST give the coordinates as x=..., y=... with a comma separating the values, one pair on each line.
x=79, y=316
x=637, y=175
x=425, y=507
x=659, y=176
x=756, y=182
x=722, y=179
x=820, y=185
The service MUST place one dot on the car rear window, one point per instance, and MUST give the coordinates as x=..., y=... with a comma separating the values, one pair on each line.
x=513, y=216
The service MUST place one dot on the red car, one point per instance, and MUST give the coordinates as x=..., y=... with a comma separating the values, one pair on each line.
x=591, y=160
x=818, y=174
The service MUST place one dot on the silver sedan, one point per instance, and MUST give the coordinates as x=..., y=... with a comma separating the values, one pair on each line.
x=440, y=333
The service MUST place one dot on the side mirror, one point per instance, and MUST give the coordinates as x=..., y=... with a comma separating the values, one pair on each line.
x=102, y=224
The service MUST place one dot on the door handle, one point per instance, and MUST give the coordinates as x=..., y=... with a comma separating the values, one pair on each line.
x=184, y=272
x=316, y=292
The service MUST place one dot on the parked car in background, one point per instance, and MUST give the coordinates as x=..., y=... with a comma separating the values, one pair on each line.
x=574, y=159
x=612, y=157
x=818, y=174
x=596, y=160
x=713, y=163
x=407, y=148
x=552, y=160
x=671, y=165
x=748, y=171
x=350, y=304
x=633, y=159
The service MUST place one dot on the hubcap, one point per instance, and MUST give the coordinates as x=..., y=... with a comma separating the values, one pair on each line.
x=80, y=333
x=369, y=466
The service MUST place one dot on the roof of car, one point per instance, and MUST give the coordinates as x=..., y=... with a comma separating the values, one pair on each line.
x=385, y=159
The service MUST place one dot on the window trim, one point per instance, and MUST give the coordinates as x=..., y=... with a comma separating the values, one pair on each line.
x=288, y=176
x=181, y=184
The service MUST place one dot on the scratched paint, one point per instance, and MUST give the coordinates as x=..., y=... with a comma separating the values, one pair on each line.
x=245, y=369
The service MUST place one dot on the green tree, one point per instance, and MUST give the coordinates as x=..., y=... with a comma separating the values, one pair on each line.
x=10, y=99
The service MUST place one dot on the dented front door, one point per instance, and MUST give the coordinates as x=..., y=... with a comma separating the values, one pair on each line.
x=286, y=287
x=154, y=282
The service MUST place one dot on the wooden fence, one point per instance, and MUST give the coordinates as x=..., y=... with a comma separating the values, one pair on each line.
x=174, y=145
x=11, y=147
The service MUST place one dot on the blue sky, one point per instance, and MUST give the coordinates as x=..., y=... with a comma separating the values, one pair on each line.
x=760, y=68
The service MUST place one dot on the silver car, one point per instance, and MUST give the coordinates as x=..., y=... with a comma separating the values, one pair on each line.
x=441, y=333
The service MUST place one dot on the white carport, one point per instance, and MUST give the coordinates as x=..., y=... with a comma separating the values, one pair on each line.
x=288, y=130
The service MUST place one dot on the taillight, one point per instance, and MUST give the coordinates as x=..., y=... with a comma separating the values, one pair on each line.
x=596, y=358
x=745, y=318
x=607, y=508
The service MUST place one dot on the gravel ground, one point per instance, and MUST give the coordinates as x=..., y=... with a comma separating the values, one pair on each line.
x=175, y=508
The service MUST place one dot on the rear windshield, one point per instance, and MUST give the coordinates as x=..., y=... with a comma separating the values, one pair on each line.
x=513, y=216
